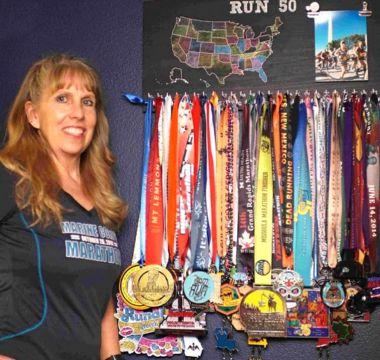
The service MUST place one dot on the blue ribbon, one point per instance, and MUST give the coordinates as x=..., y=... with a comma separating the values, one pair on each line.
x=134, y=99
x=200, y=229
x=302, y=203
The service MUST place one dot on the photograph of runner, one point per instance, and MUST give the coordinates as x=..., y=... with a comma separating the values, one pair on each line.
x=340, y=46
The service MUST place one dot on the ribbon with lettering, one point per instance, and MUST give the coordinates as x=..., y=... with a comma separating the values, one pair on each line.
x=276, y=170
x=245, y=215
x=199, y=236
x=154, y=196
x=357, y=196
x=373, y=175
x=302, y=228
x=334, y=208
x=310, y=146
x=185, y=177
x=264, y=204
x=321, y=179
x=287, y=182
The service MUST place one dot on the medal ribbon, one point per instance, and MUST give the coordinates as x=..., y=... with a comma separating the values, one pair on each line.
x=321, y=179
x=357, y=236
x=154, y=196
x=264, y=205
x=167, y=111
x=211, y=176
x=221, y=143
x=139, y=250
x=286, y=183
x=245, y=191
x=172, y=181
x=185, y=177
x=334, y=234
x=373, y=175
x=302, y=203
x=200, y=228
x=310, y=142
x=347, y=162
x=276, y=169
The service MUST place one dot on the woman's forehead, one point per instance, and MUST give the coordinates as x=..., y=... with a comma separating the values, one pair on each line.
x=77, y=80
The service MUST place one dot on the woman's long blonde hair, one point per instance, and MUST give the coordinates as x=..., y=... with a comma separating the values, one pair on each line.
x=26, y=153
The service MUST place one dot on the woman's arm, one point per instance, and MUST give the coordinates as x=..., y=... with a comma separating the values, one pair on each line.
x=109, y=333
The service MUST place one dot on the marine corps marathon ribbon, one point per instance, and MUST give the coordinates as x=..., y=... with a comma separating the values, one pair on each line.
x=302, y=203
x=264, y=204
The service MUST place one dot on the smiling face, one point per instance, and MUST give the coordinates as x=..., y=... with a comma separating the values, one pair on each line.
x=65, y=117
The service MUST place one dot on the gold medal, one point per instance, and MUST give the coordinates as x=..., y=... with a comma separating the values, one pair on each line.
x=153, y=285
x=126, y=288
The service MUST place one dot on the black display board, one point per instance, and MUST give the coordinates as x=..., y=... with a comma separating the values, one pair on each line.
x=288, y=63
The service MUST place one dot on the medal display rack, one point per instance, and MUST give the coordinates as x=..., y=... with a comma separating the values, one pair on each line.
x=263, y=208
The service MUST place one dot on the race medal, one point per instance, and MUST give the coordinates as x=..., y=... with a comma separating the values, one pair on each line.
x=153, y=285
x=289, y=285
x=333, y=294
x=199, y=287
x=126, y=288
x=263, y=314
x=181, y=318
x=309, y=318
x=230, y=300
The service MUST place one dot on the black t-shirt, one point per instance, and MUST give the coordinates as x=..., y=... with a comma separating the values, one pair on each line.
x=55, y=282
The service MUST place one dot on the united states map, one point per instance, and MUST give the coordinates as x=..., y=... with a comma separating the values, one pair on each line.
x=222, y=48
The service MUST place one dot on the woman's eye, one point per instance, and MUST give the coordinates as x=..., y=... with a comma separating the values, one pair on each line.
x=88, y=102
x=61, y=98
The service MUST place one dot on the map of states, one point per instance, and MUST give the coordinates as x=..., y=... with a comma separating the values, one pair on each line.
x=222, y=48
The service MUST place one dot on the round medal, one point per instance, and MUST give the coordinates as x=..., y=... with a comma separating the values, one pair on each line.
x=333, y=294
x=198, y=287
x=263, y=313
x=153, y=285
x=126, y=288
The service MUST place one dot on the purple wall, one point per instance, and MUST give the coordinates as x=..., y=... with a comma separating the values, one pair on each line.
x=109, y=35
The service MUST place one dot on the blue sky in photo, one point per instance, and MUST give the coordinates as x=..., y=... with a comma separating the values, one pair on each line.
x=345, y=23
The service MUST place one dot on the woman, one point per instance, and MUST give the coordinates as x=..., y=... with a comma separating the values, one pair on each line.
x=58, y=211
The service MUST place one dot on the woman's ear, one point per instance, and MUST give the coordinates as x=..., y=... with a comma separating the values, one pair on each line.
x=32, y=115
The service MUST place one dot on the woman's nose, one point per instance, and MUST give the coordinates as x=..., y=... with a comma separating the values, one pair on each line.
x=77, y=110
